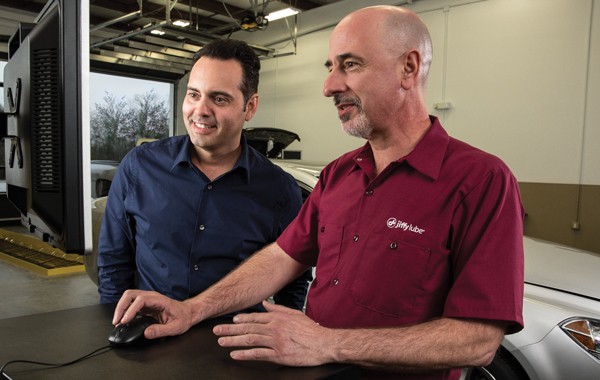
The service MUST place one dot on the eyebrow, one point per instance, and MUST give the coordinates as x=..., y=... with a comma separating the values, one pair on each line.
x=339, y=58
x=212, y=93
x=221, y=93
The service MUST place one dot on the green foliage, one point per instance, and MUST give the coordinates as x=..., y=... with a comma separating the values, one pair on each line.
x=116, y=124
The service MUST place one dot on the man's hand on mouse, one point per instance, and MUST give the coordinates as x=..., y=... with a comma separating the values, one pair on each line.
x=282, y=335
x=175, y=317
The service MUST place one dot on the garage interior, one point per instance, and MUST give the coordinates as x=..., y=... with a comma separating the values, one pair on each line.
x=516, y=78
x=538, y=116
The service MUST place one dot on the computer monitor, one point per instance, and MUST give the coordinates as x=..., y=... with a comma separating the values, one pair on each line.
x=47, y=138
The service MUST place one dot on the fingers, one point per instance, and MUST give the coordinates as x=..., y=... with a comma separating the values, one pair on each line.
x=256, y=322
x=252, y=318
x=135, y=301
x=246, y=340
x=175, y=317
x=276, y=336
x=161, y=330
x=265, y=317
x=247, y=335
x=240, y=329
x=123, y=306
x=254, y=354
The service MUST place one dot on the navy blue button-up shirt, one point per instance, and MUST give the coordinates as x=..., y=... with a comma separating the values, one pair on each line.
x=168, y=228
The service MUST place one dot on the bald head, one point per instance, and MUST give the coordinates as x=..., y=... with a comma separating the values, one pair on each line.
x=397, y=29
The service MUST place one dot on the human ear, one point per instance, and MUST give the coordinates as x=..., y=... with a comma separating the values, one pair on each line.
x=410, y=69
x=251, y=107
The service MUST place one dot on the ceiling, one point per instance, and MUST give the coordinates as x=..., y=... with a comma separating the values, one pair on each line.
x=121, y=38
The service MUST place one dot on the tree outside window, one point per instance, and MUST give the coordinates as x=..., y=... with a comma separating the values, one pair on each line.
x=129, y=109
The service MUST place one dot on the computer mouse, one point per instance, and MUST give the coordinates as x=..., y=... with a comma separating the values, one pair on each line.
x=131, y=333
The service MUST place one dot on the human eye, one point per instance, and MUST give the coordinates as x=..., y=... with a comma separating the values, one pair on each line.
x=350, y=65
x=221, y=100
x=191, y=94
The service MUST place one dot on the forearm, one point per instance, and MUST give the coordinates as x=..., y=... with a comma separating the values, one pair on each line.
x=440, y=344
x=247, y=285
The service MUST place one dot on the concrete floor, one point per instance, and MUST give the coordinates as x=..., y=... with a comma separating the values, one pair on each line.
x=23, y=292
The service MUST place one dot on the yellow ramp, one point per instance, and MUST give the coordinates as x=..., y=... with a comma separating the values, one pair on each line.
x=33, y=254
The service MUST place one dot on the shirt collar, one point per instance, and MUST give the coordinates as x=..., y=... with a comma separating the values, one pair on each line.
x=243, y=162
x=427, y=156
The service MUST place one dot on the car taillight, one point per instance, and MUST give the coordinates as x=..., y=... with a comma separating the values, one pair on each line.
x=584, y=331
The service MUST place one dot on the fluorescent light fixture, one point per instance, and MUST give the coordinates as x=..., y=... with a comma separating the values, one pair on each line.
x=181, y=23
x=286, y=12
x=157, y=32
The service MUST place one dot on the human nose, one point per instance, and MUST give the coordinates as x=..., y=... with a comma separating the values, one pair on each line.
x=194, y=105
x=201, y=107
x=334, y=84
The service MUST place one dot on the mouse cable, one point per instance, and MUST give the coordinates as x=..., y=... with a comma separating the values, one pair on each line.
x=54, y=365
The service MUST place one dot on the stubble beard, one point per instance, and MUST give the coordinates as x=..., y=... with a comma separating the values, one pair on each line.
x=360, y=126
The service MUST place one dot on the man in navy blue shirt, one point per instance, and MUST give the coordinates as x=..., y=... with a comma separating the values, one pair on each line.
x=184, y=211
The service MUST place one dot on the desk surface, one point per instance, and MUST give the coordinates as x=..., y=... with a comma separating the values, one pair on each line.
x=65, y=335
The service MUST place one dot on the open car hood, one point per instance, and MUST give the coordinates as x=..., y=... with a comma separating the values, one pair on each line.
x=269, y=141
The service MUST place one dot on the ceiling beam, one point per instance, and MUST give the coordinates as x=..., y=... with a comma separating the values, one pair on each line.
x=23, y=5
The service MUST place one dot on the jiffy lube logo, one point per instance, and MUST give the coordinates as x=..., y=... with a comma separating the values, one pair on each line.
x=404, y=226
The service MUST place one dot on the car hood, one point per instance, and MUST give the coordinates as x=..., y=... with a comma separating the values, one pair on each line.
x=563, y=268
x=269, y=141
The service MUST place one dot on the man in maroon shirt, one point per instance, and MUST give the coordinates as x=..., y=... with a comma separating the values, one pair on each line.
x=416, y=237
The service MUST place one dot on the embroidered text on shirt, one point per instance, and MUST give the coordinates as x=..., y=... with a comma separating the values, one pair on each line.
x=404, y=226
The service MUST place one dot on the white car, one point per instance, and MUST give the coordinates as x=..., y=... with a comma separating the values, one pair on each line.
x=561, y=306
x=561, y=310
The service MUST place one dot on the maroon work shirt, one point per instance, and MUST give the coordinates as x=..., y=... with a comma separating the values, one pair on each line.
x=438, y=233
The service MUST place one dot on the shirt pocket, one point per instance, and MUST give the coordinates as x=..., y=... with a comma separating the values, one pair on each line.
x=330, y=237
x=388, y=276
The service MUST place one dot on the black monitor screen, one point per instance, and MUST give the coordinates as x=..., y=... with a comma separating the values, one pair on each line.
x=47, y=136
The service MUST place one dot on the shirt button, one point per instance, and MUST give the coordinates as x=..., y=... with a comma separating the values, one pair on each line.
x=393, y=245
x=209, y=187
x=355, y=238
x=201, y=228
x=336, y=281
x=359, y=159
x=369, y=192
x=322, y=229
x=195, y=267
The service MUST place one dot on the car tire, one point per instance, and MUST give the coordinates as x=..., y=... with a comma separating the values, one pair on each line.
x=503, y=367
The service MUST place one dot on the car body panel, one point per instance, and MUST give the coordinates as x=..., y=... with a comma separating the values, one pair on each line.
x=557, y=357
x=560, y=283
x=552, y=265
x=543, y=309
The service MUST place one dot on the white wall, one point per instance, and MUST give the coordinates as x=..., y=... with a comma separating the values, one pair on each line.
x=522, y=76
x=516, y=76
x=591, y=152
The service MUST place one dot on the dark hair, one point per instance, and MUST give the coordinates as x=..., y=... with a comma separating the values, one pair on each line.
x=241, y=52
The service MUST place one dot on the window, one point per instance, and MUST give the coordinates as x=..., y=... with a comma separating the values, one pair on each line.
x=124, y=110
